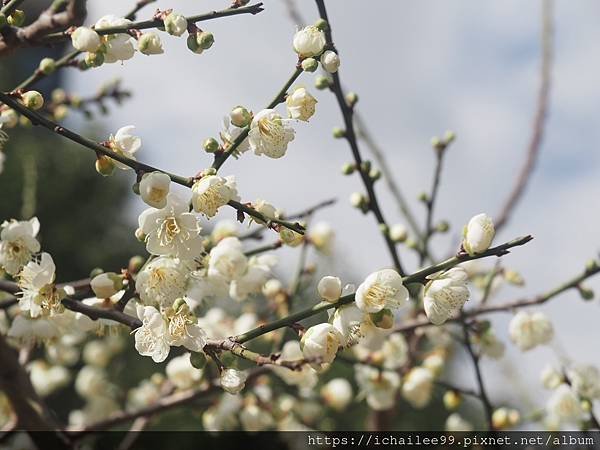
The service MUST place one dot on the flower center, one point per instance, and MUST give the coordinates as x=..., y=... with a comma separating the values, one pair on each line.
x=377, y=295
x=168, y=230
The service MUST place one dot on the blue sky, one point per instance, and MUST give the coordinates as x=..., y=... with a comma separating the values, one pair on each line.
x=419, y=68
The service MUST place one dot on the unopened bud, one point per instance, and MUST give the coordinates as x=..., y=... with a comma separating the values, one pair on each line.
x=47, y=66
x=398, y=233
x=105, y=166
x=32, y=99
x=60, y=112
x=106, y=284
x=375, y=174
x=198, y=360
x=95, y=272
x=357, y=199
x=338, y=133
x=16, y=18
x=586, y=293
x=351, y=99
x=310, y=65
x=322, y=24
x=514, y=278
x=442, y=227
x=423, y=197
x=322, y=82
x=205, y=39
x=240, y=117
x=452, y=400
x=136, y=263
x=210, y=145
x=449, y=137
x=348, y=169
x=290, y=237
x=591, y=265
x=140, y=235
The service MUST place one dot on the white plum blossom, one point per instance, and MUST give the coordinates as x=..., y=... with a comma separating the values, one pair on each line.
x=320, y=344
x=266, y=209
x=254, y=418
x=150, y=44
x=47, y=378
x=551, y=378
x=146, y=393
x=258, y=271
x=181, y=372
x=85, y=39
x=395, y=351
x=154, y=188
x=31, y=331
x=91, y=381
x=330, y=288
x=382, y=289
x=175, y=24
x=270, y=134
x=347, y=320
x=528, y=330
x=330, y=61
x=300, y=104
x=445, y=295
x=337, y=393
x=309, y=42
x=585, y=381
x=227, y=259
x=183, y=328
x=321, y=236
x=162, y=281
x=478, y=234
x=417, y=387
x=211, y=192
x=18, y=243
x=125, y=143
x=233, y=381
x=172, y=230
x=306, y=377
x=222, y=229
x=152, y=338
x=118, y=46
x=455, y=423
x=39, y=296
x=564, y=405
x=490, y=345
x=378, y=387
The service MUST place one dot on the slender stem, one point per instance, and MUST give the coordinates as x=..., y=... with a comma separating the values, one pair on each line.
x=156, y=23
x=539, y=121
x=431, y=204
x=139, y=167
x=350, y=135
x=10, y=7
x=137, y=8
x=265, y=248
x=487, y=406
x=220, y=158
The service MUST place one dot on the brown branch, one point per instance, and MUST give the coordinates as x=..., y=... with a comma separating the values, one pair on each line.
x=539, y=122
x=32, y=414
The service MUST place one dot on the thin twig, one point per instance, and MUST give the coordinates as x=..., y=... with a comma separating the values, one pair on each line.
x=539, y=122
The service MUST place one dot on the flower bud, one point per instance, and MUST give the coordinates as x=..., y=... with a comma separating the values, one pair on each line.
x=514, y=278
x=240, y=117
x=309, y=42
x=503, y=418
x=442, y=227
x=449, y=137
x=290, y=237
x=375, y=174
x=309, y=65
x=591, y=265
x=383, y=319
x=135, y=187
x=140, y=235
x=60, y=112
x=348, y=169
x=205, y=40
x=47, y=66
x=357, y=199
x=436, y=143
x=351, y=99
x=94, y=59
x=478, y=234
x=423, y=197
x=136, y=263
x=330, y=61
x=106, y=284
x=330, y=288
x=233, y=381
x=96, y=271
x=586, y=293
x=32, y=100
x=398, y=233
x=322, y=82
x=85, y=39
x=192, y=44
x=210, y=145
x=452, y=400
x=150, y=44
x=175, y=24
x=198, y=360
x=321, y=24
x=338, y=133
x=105, y=166
x=320, y=343
x=16, y=18
x=337, y=393
x=300, y=104
x=9, y=118
x=154, y=188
